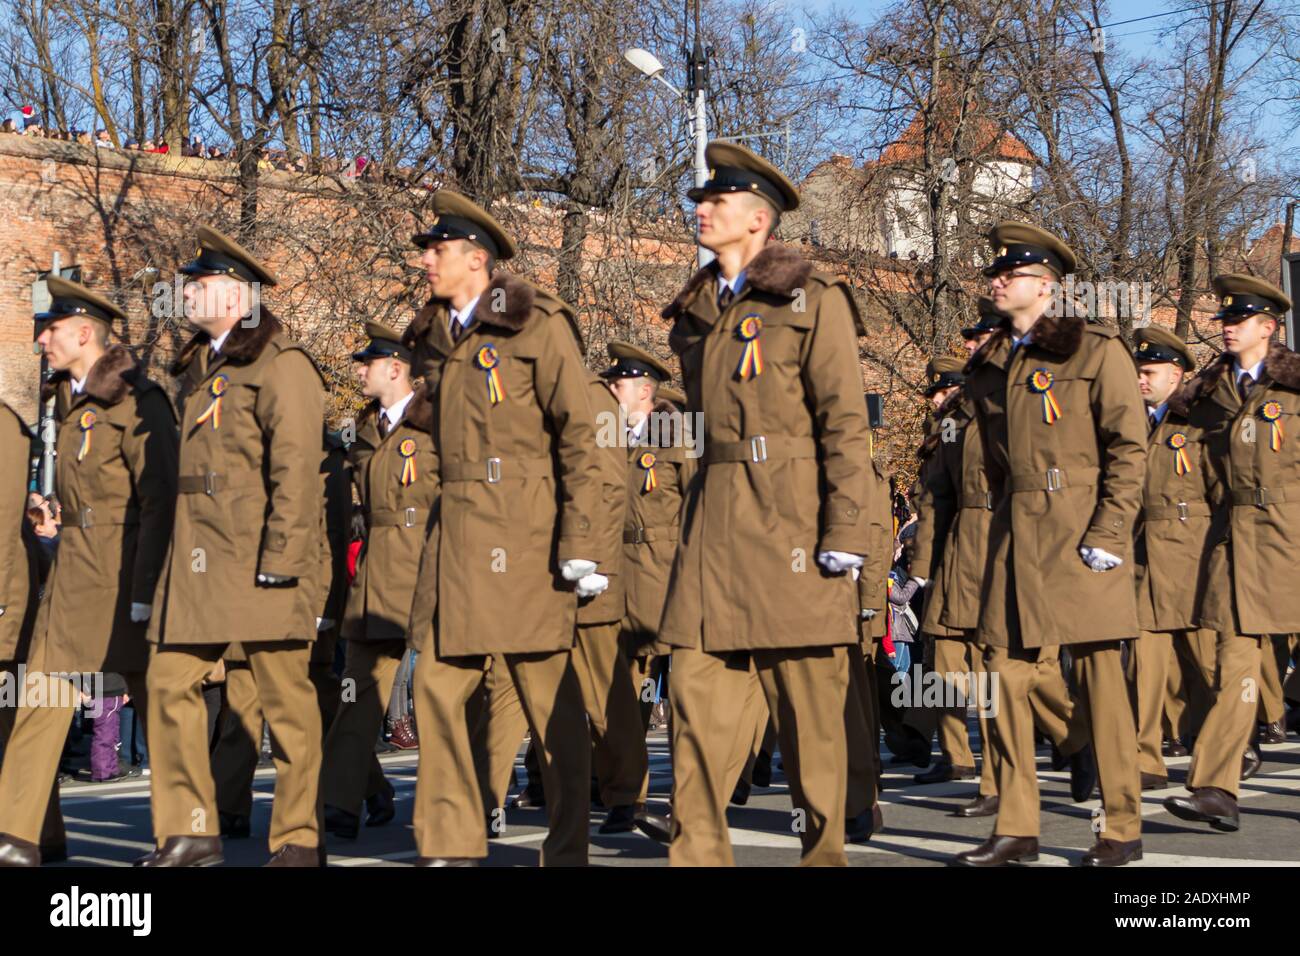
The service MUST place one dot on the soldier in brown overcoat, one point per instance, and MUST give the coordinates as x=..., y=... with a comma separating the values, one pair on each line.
x=1062, y=424
x=116, y=480
x=244, y=566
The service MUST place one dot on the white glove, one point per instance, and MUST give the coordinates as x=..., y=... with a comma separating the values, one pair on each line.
x=922, y=582
x=577, y=568
x=856, y=572
x=868, y=613
x=2, y=612
x=1098, y=559
x=591, y=584
x=140, y=612
x=836, y=562
x=324, y=623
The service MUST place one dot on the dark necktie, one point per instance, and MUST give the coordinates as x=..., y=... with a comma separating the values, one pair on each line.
x=383, y=425
x=457, y=329
x=725, y=297
x=1244, y=385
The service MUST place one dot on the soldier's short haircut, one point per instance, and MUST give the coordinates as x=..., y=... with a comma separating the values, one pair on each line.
x=762, y=202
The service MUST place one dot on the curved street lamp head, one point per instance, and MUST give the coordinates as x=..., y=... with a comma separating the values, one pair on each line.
x=645, y=61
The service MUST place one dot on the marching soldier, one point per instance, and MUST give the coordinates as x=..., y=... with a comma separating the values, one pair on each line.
x=1170, y=542
x=937, y=506
x=116, y=479
x=1246, y=404
x=519, y=525
x=396, y=473
x=776, y=518
x=244, y=560
x=1061, y=421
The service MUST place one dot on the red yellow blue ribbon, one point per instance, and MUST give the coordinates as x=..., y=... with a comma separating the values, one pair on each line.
x=213, y=411
x=488, y=360
x=1271, y=412
x=1178, y=442
x=1040, y=383
x=407, y=450
x=751, y=360
x=87, y=424
x=647, y=461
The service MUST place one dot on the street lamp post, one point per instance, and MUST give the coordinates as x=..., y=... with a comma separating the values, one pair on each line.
x=697, y=81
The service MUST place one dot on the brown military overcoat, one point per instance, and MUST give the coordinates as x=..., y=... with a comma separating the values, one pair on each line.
x=521, y=483
x=787, y=461
x=250, y=492
x=873, y=579
x=18, y=567
x=1254, y=486
x=608, y=606
x=1059, y=483
x=936, y=500
x=115, y=478
x=399, y=503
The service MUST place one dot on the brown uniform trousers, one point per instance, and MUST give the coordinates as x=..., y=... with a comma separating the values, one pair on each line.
x=951, y=657
x=1276, y=659
x=711, y=731
x=183, y=792
x=1190, y=688
x=1230, y=724
x=1154, y=660
x=862, y=732
x=33, y=737
x=446, y=710
x=611, y=692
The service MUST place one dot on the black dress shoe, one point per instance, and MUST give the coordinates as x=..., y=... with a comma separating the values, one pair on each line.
x=445, y=861
x=340, y=823
x=530, y=798
x=234, y=826
x=54, y=853
x=185, y=851
x=381, y=807
x=1154, y=781
x=943, y=771
x=620, y=819
x=1250, y=762
x=1113, y=853
x=1209, y=805
x=740, y=796
x=1274, y=733
x=999, y=851
x=654, y=825
x=979, y=807
x=1059, y=760
x=1172, y=748
x=16, y=852
x=1083, y=775
x=293, y=855
x=859, y=829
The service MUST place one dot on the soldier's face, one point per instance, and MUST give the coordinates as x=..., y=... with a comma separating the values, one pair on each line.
x=375, y=375
x=1020, y=289
x=1247, y=334
x=728, y=218
x=448, y=265
x=973, y=343
x=941, y=396
x=211, y=299
x=63, y=341
x=1158, y=380
x=633, y=394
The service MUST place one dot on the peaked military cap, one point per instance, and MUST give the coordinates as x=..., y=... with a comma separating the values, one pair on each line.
x=1241, y=296
x=68, y=298
x=990, y=319
x=384, y=343
x=632, y=362
x=457, y=217
x=1156, y=344
x=733, y=168
x=944, y=371
x=220, y=255
x=1020, y=244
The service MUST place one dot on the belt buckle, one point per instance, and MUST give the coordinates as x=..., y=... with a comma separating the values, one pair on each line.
x=493, y=470
x=638, y=536
x=410, y=517
x=86, y=516
x=1055, y=479
x=758, y=448
x=1182, y=511
x=988, y=501
x=210, y=483
x=1261, y=497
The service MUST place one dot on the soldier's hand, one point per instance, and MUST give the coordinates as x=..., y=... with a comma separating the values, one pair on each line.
x=577, y=568
x=2, y=612
x=1098, y=559
x=324, y=623
x=868, y=613
x=591, y=585
x=140, y=612
x=837, y=562
x=276, y=581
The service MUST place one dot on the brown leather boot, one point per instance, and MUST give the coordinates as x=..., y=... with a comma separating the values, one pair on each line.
x=1209, y=805
x=403, y=736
